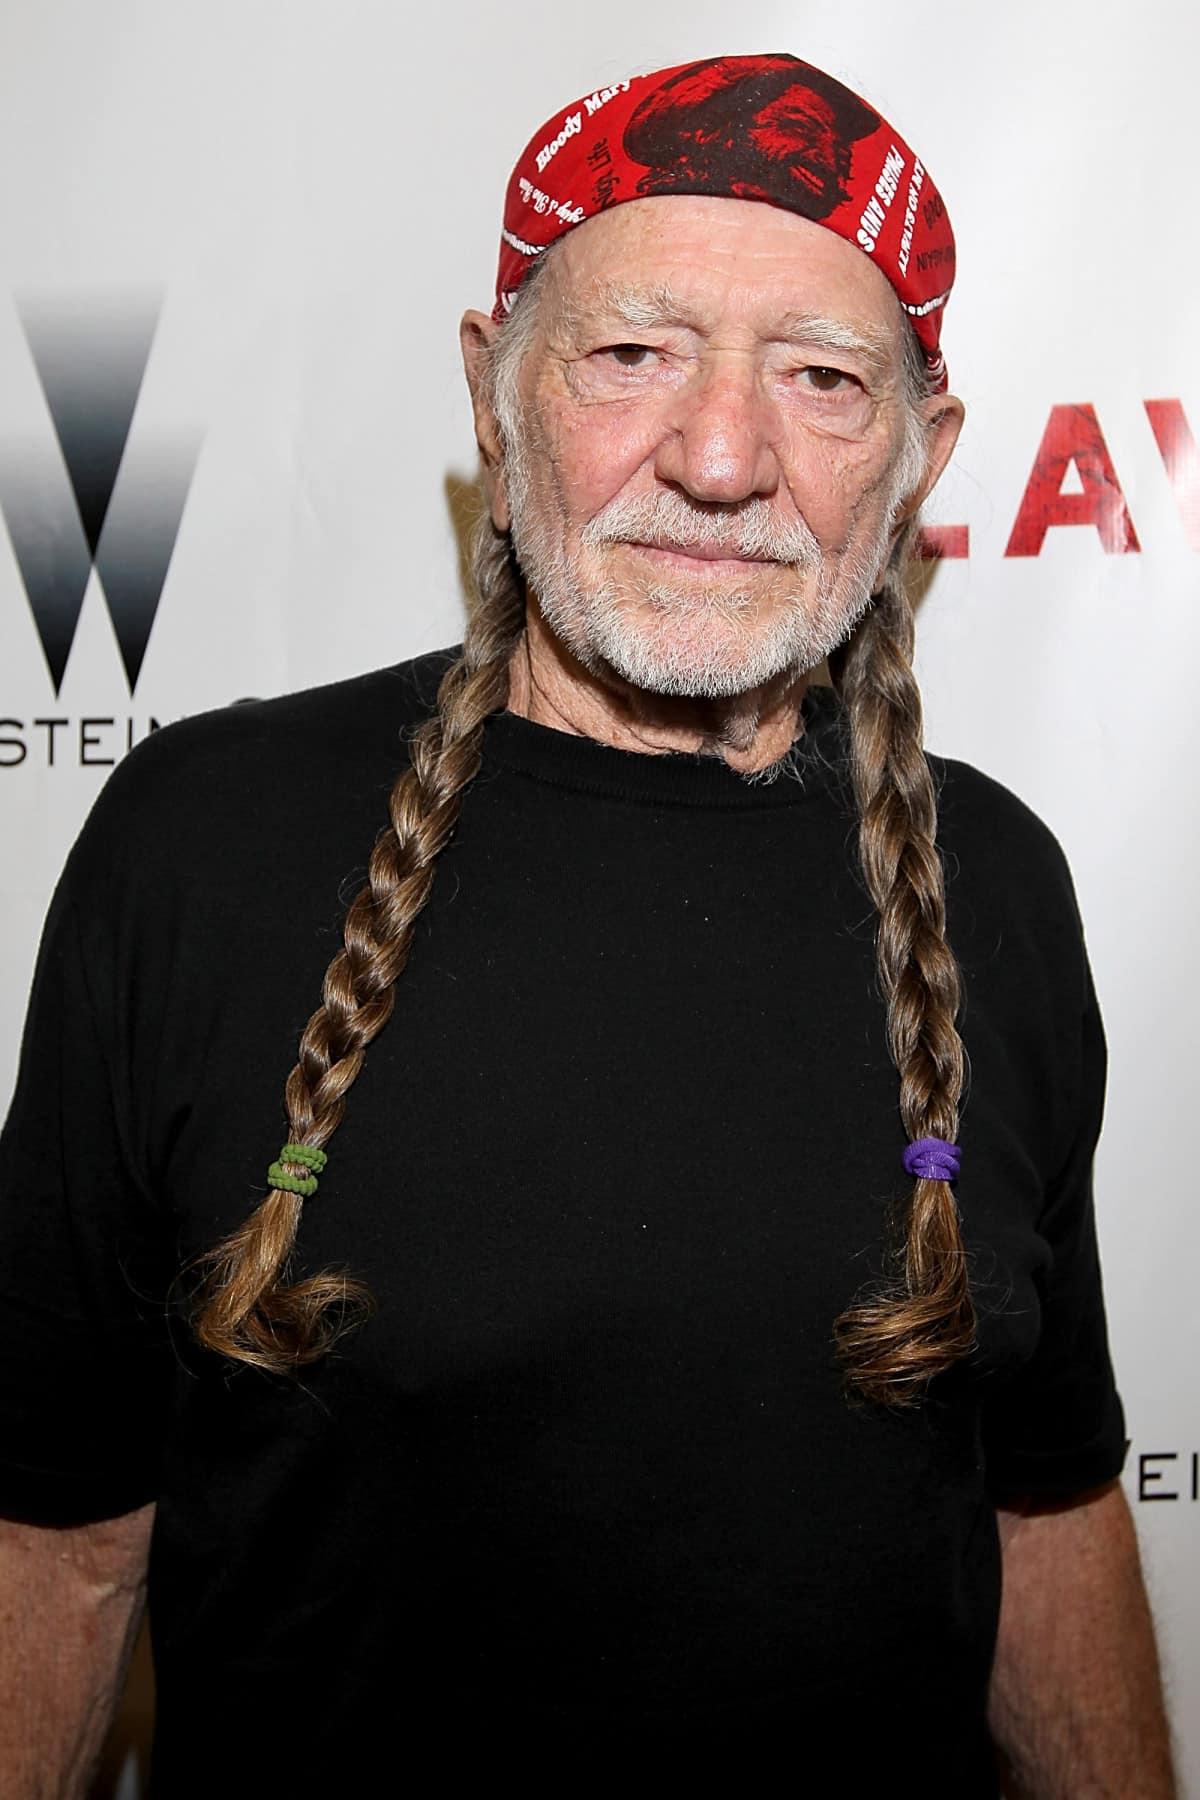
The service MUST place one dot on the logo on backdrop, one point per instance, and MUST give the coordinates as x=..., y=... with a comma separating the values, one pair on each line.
x=107, y=495
x=1168, y=1475
x=1074, y=482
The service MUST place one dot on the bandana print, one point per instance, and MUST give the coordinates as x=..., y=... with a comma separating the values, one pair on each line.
x=768, y=128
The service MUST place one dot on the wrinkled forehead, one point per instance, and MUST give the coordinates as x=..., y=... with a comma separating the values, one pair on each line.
x=713, y=264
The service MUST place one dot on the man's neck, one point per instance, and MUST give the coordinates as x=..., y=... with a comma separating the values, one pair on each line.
x=549, y=686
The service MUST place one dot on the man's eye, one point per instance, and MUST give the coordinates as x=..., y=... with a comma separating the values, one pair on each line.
x=630, y=356
x=825, y=381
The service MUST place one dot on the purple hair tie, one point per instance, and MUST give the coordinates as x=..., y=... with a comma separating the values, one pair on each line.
x=933, y=1159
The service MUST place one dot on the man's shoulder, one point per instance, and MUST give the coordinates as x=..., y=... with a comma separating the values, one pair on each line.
x=1003, y=862
x=292, y=767
x=355, y=721
x=346, y=718
x=975, y=808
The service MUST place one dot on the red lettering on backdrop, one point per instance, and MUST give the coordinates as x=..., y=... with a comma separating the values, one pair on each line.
x=1181, y=459
x=1072, y=435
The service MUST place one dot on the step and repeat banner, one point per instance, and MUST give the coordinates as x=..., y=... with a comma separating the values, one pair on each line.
x=236, y=457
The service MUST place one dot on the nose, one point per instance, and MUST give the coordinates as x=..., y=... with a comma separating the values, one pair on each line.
x=719, y=445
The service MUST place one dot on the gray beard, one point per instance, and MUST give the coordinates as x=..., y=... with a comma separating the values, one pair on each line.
x=709, y=648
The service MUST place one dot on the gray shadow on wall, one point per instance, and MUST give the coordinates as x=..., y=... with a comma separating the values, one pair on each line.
x=465, y=507
x=922, y=572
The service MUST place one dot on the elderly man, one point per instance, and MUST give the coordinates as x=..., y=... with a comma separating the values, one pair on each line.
x=677, y=1370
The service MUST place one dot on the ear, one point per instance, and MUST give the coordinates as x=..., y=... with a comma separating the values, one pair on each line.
x=476, y=334
x=943, y=415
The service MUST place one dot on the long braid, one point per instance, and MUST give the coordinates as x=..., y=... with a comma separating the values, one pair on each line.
x=248, y=1309
x=892, y=1343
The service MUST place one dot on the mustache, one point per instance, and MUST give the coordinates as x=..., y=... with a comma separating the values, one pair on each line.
x=672, y=522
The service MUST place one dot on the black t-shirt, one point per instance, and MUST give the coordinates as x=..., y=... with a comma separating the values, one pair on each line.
x=586, y=1485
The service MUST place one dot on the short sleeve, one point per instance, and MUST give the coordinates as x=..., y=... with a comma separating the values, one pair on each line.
x=85, y=1355
x=1057, y=1428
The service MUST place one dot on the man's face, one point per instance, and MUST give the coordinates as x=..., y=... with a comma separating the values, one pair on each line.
x=708, y=447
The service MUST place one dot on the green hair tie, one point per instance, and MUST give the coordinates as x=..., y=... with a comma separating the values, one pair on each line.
x=302, y=1153
x=308, y=1158
x=292, y=1184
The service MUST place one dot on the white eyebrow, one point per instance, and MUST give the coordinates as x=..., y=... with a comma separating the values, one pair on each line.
x=644, y=308
x=640, y=308
x=877, y=347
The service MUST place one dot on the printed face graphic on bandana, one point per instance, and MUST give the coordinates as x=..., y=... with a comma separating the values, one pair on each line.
x=751, y=128
x=799, y=139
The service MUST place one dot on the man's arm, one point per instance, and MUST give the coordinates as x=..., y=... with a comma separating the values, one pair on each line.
x=71, y=1599
x=1076, y=1703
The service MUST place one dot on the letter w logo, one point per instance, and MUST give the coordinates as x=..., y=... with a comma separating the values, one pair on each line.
x=104, y=502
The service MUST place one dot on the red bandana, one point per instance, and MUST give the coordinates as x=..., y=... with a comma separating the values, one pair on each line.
x=753, y=128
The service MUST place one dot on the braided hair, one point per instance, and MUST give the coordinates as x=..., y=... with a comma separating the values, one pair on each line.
x=893, y=1340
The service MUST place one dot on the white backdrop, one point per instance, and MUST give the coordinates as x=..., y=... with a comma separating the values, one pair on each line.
x=279, y=212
